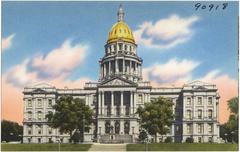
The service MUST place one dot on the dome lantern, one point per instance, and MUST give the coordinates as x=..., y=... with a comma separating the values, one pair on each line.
x=120, y=14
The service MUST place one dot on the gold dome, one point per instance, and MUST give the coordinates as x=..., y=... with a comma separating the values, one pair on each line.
x=120, y=31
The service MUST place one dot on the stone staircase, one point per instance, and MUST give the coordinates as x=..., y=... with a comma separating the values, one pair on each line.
x=115, y=139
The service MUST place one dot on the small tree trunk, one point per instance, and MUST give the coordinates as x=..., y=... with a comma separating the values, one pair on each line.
x=155, y=137
x=70, y=136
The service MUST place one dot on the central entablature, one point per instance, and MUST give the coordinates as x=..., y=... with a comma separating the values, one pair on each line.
x=121, y=59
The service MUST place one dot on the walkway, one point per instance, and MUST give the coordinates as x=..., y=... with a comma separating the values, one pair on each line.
x=108, y=147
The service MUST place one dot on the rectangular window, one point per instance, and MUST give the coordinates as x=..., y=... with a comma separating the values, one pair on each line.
x=188, y=101
x=39, y=130
x=29, y=115
x=140, y=98
x=39, y=115
x=189, y=128
x=39, y=140
x=29, y=103
x=210, y=128
x=49, y=131
x=199, y=139
x=210, y=102
x=210, y=139
x=39, y=103
x=199, y=114
x=210, y=114
x=199, y=128
x=199, y=100
x=29, y=130
x=50, y=103
x=189, y=114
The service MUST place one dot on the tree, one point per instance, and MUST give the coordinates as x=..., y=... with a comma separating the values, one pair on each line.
x=11, y=131
x=229, y=130
x=142, y=136
x=168, y=140
x=71, y=114
x=156, y=116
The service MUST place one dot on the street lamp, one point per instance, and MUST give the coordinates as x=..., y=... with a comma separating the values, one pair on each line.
x=232, y=135
x=225, y=137
x=59, y=141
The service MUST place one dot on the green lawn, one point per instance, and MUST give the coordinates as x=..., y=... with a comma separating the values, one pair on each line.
x=183, y=147
x=45, y=147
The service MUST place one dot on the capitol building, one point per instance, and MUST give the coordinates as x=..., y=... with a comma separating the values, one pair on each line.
x=117, y=94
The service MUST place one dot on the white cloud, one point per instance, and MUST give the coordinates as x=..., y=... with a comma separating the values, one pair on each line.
x=171, y=71
x=165, y=33
x=7, y=42
x=63, y=59
x=20, y=74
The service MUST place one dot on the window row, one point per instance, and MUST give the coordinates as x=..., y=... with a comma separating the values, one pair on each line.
x=39, y=115
x=120, y=47
x=39, y=103
x=200, y=100
x=200, y=128
x=39, y=130
x=199, y=114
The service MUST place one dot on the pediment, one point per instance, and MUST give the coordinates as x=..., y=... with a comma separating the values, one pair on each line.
x=200, y=88
x=118, y=82
x=38, y=90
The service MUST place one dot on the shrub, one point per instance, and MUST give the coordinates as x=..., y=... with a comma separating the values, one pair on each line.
x=189, y=140
x=168, y=140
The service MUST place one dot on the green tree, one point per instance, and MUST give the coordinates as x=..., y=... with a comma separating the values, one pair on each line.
x=11, y=131
x=71, y=114
x=156, y=116
x=229, y=130
x=142, y=136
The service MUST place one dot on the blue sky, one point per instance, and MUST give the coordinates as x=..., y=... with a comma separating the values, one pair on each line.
x=43, y=26
x=60, y=43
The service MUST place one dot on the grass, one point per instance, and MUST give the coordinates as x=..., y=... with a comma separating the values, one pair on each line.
x=183, y=147
x=45, y=147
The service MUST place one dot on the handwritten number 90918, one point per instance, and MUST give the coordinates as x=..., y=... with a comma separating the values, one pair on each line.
x=210, y=7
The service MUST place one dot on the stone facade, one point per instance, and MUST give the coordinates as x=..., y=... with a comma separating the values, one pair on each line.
x=119, y=91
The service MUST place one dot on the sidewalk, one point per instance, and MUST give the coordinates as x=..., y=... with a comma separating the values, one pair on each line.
x=108, y=147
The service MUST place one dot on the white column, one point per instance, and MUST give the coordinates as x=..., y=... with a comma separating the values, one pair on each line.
x=112, y=102
x=193, y=105
x=121, y=127
x=105, y=69
x=121, y=107
x=109, y=66
x=135, y=64
x=103, y=103
x=131, y=103
x=130, y=67
x=123, y=66
x=116, y=63
x=99, y=102
x=135, y=100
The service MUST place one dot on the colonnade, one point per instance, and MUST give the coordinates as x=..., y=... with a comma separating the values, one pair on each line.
x=120, y=66
x=124, y=107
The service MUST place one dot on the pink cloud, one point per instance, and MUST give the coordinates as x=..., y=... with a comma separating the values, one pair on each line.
x=227, y=86
x=7, y=42
x=171, y=72
x=62, y=59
